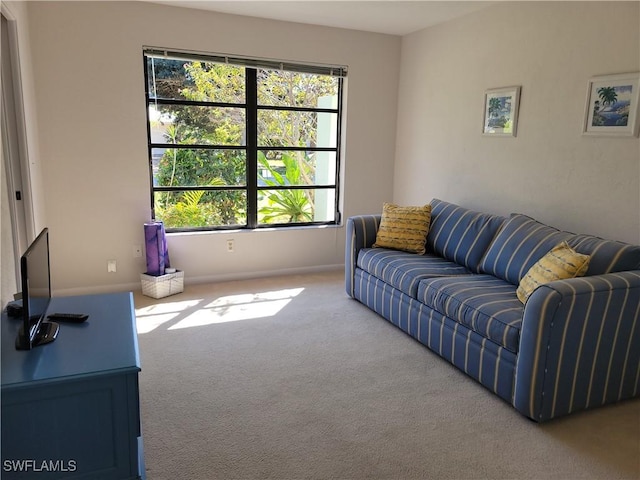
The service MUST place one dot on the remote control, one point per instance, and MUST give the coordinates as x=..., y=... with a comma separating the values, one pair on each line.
x=68, y=317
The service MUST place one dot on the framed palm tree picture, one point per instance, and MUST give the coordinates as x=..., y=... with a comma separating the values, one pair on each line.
x=501, y=112
x=612, y=105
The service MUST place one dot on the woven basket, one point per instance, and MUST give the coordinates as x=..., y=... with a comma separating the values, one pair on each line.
x=162, y=285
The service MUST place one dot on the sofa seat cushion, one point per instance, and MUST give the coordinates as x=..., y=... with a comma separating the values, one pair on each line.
x=459, y=234
x=404, y=270
x=485, y=304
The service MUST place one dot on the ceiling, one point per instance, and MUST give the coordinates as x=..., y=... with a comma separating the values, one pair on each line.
x=392, y=17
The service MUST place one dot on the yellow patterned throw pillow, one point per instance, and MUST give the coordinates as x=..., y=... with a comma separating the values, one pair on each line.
x=560, y=263
x=404, y=228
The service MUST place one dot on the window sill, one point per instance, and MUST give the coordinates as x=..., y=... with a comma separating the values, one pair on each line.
x=242, y=231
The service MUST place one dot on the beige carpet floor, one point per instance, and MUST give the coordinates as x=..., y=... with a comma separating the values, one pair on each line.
x=288, y=378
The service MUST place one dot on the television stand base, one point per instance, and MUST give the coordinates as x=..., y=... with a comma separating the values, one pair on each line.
x=47, y=333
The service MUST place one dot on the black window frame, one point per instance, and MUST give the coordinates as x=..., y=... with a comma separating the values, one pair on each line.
x=252, y=107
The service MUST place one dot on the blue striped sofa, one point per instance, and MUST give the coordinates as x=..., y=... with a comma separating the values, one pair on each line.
x=574, y=345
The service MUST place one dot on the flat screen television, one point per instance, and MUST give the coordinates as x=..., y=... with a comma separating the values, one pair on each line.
x=36, y=294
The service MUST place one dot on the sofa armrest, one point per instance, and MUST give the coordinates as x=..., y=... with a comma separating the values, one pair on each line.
x=361, y=233
x=579, y=345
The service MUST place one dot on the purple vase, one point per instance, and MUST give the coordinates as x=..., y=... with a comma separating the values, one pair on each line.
x=156, y=248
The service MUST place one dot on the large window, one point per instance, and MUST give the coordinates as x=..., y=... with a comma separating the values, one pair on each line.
x=242, y=143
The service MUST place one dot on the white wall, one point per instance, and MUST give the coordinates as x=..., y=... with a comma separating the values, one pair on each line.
x=24, y=148
x=88, y=74
x=26, y=112
x=550, y=170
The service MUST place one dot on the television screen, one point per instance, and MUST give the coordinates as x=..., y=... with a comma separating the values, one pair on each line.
x=36, y=295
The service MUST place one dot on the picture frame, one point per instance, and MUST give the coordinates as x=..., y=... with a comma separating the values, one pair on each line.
x=612, y=105
x=501, y=106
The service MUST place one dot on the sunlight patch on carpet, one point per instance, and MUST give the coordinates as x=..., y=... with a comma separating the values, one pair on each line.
x=151, y=317
x=197, y=313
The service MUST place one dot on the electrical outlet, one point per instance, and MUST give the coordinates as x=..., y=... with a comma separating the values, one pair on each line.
x=111, y=266
x=231, y=246
x=137, y=251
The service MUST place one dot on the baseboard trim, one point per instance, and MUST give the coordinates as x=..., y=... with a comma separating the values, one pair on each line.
x=270, y=273
x=228, y=277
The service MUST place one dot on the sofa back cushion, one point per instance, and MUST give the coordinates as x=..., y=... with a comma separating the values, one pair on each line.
x=607, y=256
x=461, y=235
x=521, y=243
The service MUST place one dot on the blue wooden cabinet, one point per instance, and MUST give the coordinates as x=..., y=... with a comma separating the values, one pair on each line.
x=70, y=409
